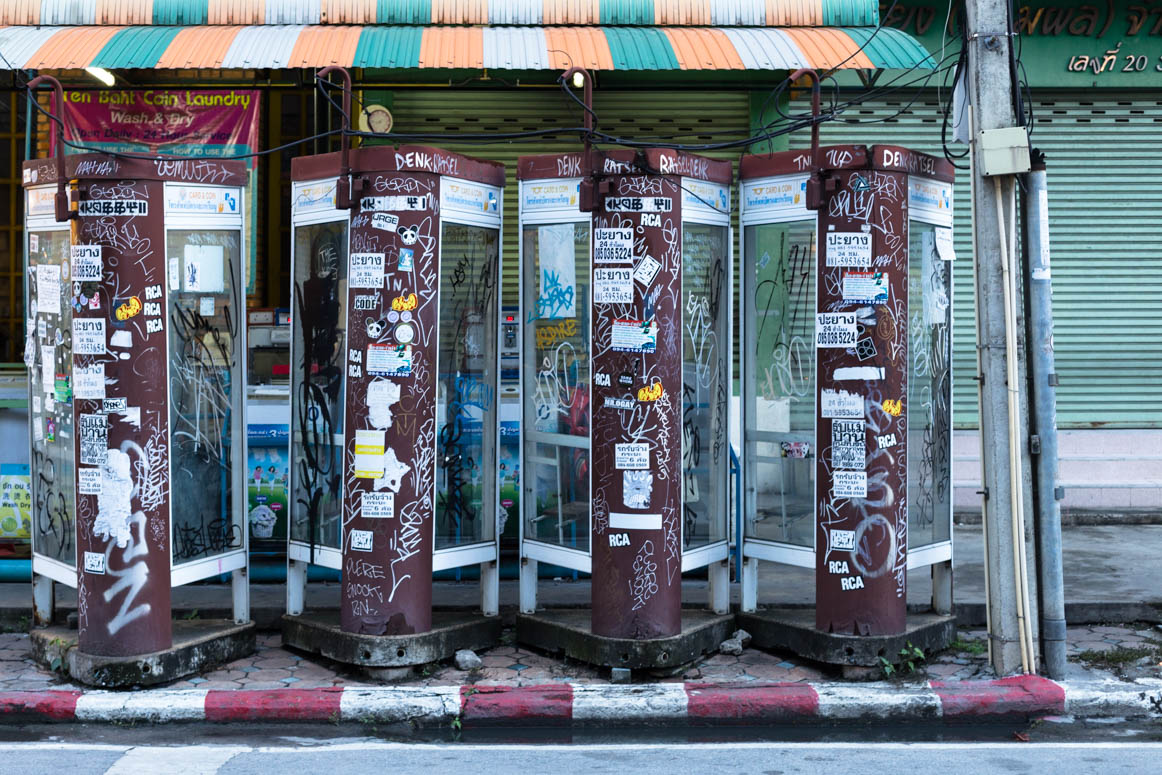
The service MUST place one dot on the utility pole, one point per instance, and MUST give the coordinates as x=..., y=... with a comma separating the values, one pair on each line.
x=1004, y=452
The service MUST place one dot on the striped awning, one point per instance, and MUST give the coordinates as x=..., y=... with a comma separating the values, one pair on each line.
x=499, y=47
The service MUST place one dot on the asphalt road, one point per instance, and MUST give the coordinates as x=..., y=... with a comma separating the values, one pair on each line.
x=365, y=756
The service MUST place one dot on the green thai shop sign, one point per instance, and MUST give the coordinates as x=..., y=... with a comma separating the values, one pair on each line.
x=1063, y=44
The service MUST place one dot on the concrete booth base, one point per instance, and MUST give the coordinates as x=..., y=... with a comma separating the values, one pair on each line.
x=793, y=629
x=390, y=657
x=568, y=632
x=199, y=645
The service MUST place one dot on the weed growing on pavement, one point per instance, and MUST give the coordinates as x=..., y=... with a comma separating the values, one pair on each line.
x=1118, y=658
x=911, y=658
x=974, y=647
x=58, y=648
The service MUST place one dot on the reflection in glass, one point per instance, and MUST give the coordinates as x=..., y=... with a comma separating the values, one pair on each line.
x=49, y=372
x=779, y=437
x=204, y=369
x=929, y=390
x=319, y=295
x=705, y=384
x=556, y=383
x=466, y=385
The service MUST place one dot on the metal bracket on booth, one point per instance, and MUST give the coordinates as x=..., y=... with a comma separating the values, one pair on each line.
x=61, y=203
x=814, y=191
x=344, y=196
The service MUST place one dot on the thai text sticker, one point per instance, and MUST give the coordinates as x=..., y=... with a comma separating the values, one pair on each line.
x=835, y=329
x=89, y=381
x=378, y=505
x=365, y=270
x=849, y=484
x=393, y=203
x=849, y=248
x=94, y=438
x=634, y=457
x=86, y=261
x=866, y=287
x=88, y=336
x=612, y=285
x=384, y=221
x=89, y=481
x=612, y=246
x=840, y=404
x=89, y=207
x=847, y=444
x=638, y=204
x=369, y=454
x=635, y=336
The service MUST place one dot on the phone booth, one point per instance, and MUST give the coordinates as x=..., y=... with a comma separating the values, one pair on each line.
x=394, y=426
x=626, y=305
x=137, y=380
x=846, y=395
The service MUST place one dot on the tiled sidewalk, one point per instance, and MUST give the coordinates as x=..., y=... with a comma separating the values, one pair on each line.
x=275, y=667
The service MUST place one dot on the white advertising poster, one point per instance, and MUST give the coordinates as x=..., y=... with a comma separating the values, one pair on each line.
x=847, y=445
x=378, y=505
x=205, y=269
x=634, y=457
x=835, y=329
x=840, y=404
x=88, y=336
x=635, y=336
x=612, y=246
x=849, y=484
x=86, y=261
x=365, y=270
x=612, y=285
x=849, y=248
x=557, y=294
x=89, y=381
x=48, y=289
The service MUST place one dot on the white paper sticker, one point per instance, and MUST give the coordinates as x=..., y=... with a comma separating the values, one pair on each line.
x=86, y=260
x=869, y=373
x=205, y=269
x=89, y=481
x=384, y=221
x=620, y=520
x=612, y=246
x=849, y=484
x=94, y=437
x=835, y=330
x=635, y=457
x=647, y=270
x=612, y=285
x=847, y=444
x=88, y=207
x=361, y=540
x=843, y=540
x=944, y=246
x=365, y=270
x=41, y=327
x=48, y=289
x=849, y=248
x=121, y=338
x=389, y=360
x=48, y=368
x=638, y=204
x=34, y=242
x=89, y=381
x=36, y=404
x=393, y=203
x=634, y=336
x=175, y=273
x=369, y=447
x=866, y=287
x=377, y=505
x=114, y=405
x=557, y=293
x=206, y=306
x=95, y=563
x=88, y=336
x=840, y=404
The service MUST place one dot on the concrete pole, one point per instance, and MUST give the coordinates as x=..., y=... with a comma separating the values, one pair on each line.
x=990, y=88
x=1043, y=382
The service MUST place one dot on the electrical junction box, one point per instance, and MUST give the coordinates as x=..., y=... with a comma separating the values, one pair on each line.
x=1003, y=151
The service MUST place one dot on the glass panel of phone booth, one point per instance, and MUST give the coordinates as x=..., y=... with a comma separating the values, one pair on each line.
x=466, y=388
x=205, y=375
x=929, y=389
x=50, y=300
x=319, y=290
x=706, y=384
x=779, y=305
x=556, y=384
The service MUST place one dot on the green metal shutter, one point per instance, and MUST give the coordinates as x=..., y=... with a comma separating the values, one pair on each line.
x=690, y=116
x=1104, y=204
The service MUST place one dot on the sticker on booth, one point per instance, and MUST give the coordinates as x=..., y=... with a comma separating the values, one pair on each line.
x=620, y=520
x=389, y=360
x=635, y=336
x=94, y=437
x=95, y=563
x=90, y=207
x=635, y=456
x=48, y=289
x=835, y=330
x=646, y=270
x=866, y=287
x=849, y=484
x=89, y=481
x=849, y=248
x=86, y=261
x=612, y=246
x=88, y=336
x=843, y=540
x=840, y=404
x=368, y=203
x=369, y=447
x=362, y=540
x=365, y=270
x=638, y=204
x=612, y=285
x=847, y=444
x=378, y=505
x=89, y=381
x=384, y=221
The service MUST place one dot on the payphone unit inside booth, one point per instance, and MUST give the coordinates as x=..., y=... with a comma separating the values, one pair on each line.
x=394, y=380
x=137, y=381
x=595, y=287
x=898, y=325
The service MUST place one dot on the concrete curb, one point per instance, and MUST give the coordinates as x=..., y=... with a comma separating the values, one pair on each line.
x=675, y=704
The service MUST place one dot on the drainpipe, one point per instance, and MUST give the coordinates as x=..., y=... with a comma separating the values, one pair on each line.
x=1043, y=442
x=343, y=198
x=58, y=139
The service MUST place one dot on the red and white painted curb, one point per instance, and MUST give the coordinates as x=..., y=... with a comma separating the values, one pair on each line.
x=601, y=705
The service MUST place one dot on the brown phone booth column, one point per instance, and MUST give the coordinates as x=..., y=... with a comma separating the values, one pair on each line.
x=626, y=391
x=394, y=370
x=869, y=437
x=135, y=330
